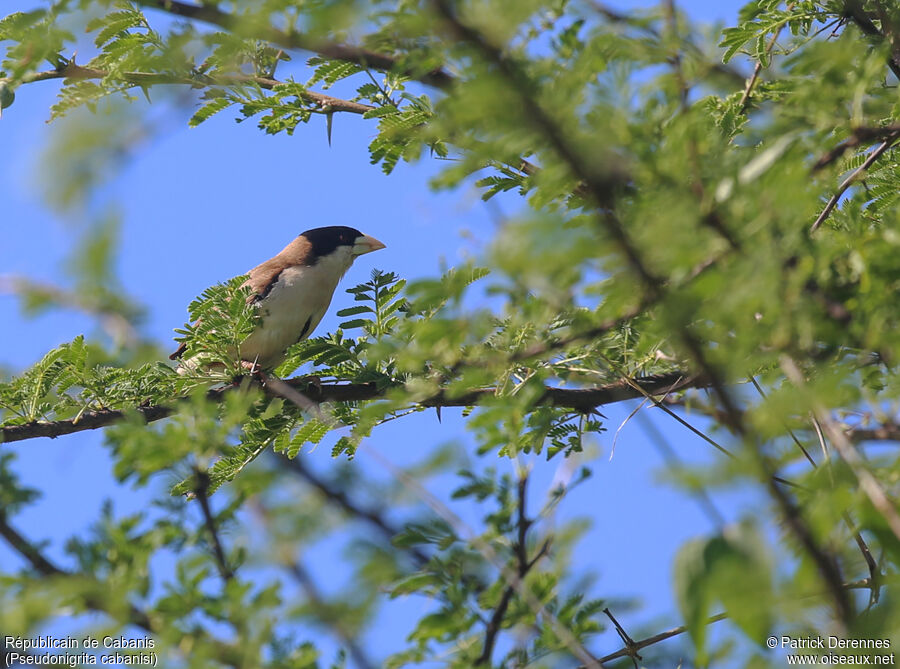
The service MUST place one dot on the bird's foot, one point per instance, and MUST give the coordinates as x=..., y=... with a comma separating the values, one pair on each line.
x=255, y=371
x=251, y=366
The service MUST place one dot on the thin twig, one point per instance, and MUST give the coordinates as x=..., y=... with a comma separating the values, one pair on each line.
x=790, y=431
x=523, y=566
x=656, y=638
x=867, y=481
x=862, y=584
x=340, y=498
x=857, y=137
x=73, y=71
x=510, y=575
x=850, y=180
x=745, y=98
x=874, y=573
x=228, y=654
x=201, y=492
x=673, y=462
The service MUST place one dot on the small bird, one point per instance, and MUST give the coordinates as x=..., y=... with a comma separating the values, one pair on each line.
x=293, y=290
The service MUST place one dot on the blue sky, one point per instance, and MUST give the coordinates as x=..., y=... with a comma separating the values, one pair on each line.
x=200, y=205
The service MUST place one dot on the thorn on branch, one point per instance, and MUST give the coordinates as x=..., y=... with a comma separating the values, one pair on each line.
x=631, y=648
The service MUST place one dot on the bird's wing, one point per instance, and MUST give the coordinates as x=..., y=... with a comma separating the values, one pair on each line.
x=264, y=276
x=178, y=352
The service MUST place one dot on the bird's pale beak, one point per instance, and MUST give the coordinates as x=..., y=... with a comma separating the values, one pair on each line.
x=366, y=244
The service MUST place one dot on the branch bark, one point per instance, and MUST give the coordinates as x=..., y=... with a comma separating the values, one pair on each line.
x=859, y=136
x=577, y=399
x=201, y=493
x=523, y=565
x=855, y=11
x=73, y=71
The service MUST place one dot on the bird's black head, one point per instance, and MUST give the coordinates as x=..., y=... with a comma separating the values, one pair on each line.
x=325, y=240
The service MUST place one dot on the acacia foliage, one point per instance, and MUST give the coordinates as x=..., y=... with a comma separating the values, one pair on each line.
x=721, y=207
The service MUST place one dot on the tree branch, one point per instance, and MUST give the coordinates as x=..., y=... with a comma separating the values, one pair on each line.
x=888, y=431
x=291, y=39
x=523, y=566
x=860, y=135
x=629, y=649
x=24, y=548
x=73, y=71
x=600, y=183
x=201, y=492
x=339, y=498
x=855, y=11
x=331, y=618
x=892, y=137
x=757, y=69
x=580, y=399
x=228, y=654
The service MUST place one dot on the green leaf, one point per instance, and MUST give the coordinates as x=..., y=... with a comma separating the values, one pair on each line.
x=353, y=311
x=115, y=23
x=209, y=109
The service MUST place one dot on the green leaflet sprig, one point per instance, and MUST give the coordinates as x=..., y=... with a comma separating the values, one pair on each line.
x=758, y=28
x=398, y=132
x=220, y=320
x=115, y=24
x=329, y=72
x=380, y=297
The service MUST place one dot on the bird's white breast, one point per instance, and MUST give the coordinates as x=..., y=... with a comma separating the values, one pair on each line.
x=293, y=308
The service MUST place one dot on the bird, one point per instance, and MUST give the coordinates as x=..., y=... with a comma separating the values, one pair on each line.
x=292, y=292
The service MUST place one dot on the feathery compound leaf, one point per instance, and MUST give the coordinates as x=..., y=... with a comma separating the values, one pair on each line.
x=15, y=26
x=221, y=319
x=77, y=94
x=331, y=71
x=210, y=109
x=353, y=311
x=114, y=23
x=38, y=388
x=311, y=432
